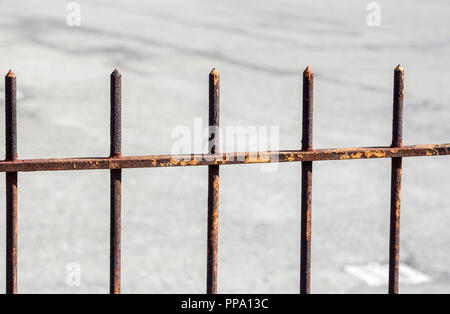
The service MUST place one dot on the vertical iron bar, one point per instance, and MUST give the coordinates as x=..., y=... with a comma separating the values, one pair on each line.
x=11, y=184
x=307, y=136
x=396, y=177
x=116, y=181
x=213, y=184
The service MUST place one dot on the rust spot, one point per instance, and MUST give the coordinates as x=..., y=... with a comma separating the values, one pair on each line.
x=357, y=155
x=255, y=157
x=215, y=75
x=113, y=164
x=173, y=162
x=375, y=154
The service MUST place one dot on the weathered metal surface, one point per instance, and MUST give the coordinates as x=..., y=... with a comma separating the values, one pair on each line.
x=213, y=184
x=11, y=232
x=115, y=231
x=394, y=236
x=185, y=160
x=11, y=183
x=306, y=189
x=10, y=116
x=115, y=184
x=396, y=177
x=115, y=162
x=397, y=116
x=116, y=114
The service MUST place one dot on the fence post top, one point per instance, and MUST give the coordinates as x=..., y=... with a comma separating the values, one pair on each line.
x=399, y=68
x=10, y=74
x=116, y=72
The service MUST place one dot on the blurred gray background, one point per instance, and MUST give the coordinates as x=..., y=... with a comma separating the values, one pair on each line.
x=165, y=51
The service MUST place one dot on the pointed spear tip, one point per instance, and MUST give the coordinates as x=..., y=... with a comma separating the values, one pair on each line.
x=399, y=68
x=214, y=76
x=10, y=74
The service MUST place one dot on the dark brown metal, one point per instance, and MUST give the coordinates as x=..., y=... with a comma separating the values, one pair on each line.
x=213, y=159
x=213, y=184
x=10, y=116
x=397, y=120
x=115, y=180
x=396, y=178
x=307, y=109
x=116, y=121
x=11, y=183
x=307, y=136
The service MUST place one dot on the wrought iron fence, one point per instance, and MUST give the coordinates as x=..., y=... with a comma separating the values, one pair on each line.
x=214, y=159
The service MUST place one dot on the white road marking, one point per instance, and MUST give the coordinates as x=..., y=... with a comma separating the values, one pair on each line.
x=374, y=274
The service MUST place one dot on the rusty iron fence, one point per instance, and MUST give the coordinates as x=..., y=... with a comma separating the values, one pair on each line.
x=213, y=159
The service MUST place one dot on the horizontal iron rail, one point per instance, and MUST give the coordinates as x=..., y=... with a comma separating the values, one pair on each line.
x=180, y=160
